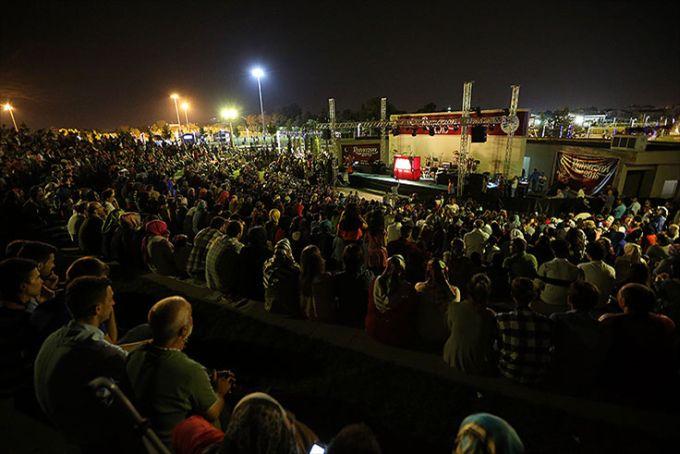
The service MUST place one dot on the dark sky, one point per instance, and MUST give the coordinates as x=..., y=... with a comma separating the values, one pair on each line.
x=107, y=63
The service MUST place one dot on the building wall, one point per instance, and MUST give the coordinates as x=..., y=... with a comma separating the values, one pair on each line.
x=446, y=147
x=665, y=165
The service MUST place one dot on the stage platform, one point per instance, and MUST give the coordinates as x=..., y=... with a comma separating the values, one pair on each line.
x=385, y=183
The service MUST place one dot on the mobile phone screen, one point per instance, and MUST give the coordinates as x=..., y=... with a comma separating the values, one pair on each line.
x=316, y=449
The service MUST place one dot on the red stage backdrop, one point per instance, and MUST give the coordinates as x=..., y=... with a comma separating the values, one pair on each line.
x=587, y=172
x=363, y=152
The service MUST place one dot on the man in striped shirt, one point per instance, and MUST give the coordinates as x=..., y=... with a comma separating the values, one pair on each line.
x=197, y=257
x=525, y=337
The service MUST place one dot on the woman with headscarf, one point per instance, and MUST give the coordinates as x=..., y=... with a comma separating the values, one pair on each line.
x=281, y=281
x=258, y=425
x=632, y=254
x=158, y=251
x=484, y=433
x=126, y=242
x=435, y=297
x=391, y=305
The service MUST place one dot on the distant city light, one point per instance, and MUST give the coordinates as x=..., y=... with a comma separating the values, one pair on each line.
x=185, y=105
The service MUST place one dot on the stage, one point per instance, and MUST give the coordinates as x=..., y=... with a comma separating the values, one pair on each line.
x=385, y=183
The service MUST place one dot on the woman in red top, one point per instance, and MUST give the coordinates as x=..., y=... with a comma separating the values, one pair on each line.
x=391, y=306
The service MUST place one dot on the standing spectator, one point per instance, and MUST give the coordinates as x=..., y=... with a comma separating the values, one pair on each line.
x=168, y=385
x=316, y=286
x=391, y=305
x=280, y=278
x=524, y=337
x=199, y=252
x=435, y=298
x=619, y=209
x=597, y=272
x=414, y=257
x=222, y=263
x=469, y=347
x=632, y=254
x=634, y=207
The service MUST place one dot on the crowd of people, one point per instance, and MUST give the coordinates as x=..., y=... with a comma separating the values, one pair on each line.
x=579, y=301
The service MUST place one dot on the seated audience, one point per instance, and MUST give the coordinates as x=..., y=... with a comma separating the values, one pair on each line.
x=354, y=439
x=90, y=232
x=391, y=306
x=598, y=273
x=520, y=263
x=641, y=358
x=158, y=250
x=580, y=342
x=486, y=433
x=281, y=281
x=435, y=296
x=167, y=385
x=554, y=278
x=199, y=251
x=253, y=257
x=222, y=262
x=316, y=286
x=74, y=355
x=469, y=347
x=524, y=337
x=351, y=287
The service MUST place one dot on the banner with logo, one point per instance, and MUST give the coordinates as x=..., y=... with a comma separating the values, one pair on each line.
x=364, y=152
x=588, y=172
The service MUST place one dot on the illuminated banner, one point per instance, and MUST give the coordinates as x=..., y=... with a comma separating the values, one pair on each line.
x=587, y=172
x=363, y=152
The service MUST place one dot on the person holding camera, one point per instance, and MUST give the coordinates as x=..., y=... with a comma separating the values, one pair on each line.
x=169, y=386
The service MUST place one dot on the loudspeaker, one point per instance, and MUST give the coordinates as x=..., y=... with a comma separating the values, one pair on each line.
x=326, y=134
x=478, y=133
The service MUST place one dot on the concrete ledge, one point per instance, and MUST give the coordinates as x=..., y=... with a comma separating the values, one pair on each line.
x=248, y=324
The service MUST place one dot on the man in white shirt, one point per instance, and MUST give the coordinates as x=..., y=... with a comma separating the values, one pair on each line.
x=475, y=240
x=554, y=278
x=634, y=206
x=394, y=229
x=597, y=272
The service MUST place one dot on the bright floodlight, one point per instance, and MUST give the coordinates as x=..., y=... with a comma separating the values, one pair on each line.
x=7, y=107
x=537, y=121
x=578, y=120
x=229, y=113
x=174, y=96
x=257, y=72
x=185, y=105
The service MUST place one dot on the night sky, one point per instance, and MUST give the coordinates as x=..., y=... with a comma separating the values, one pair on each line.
x=107, y=64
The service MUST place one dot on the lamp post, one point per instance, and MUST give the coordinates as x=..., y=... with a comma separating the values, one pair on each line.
x=230, y=114
x=7, y=107
x=185, y=107
x=175, y=97
x=258, y=73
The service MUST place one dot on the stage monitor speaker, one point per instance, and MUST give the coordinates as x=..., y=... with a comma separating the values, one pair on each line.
x=475, y=185
x=478, y=133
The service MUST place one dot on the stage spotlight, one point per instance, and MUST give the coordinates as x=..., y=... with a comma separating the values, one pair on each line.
x=414, y=132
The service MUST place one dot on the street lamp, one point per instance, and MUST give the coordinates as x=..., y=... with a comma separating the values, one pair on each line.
x=7, y=107
x=175, y=97
x=230, y=114
x=185, y=107
x=258, y=73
